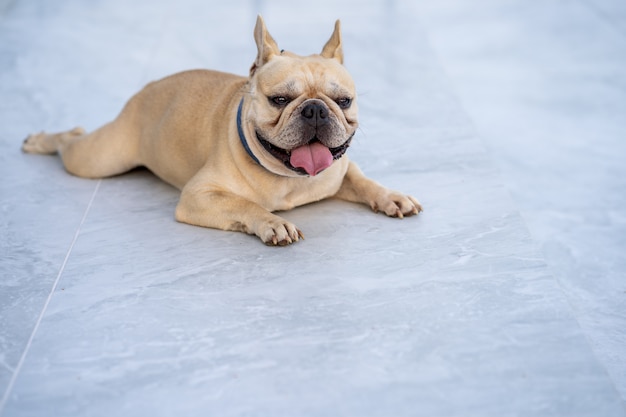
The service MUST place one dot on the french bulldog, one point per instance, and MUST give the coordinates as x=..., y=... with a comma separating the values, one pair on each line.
x=239, y=148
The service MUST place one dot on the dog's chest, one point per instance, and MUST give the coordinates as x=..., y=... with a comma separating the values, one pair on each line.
x=278, y=193
x=288, y=195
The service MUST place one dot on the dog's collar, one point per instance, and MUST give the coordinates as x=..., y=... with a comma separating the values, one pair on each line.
x=242, y=137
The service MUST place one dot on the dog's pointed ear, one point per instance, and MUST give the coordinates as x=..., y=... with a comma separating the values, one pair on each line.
x=333, y=48
x=266, y=45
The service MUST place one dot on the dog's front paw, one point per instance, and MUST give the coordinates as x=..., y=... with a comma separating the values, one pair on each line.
x=395, y=204
x=279, y=232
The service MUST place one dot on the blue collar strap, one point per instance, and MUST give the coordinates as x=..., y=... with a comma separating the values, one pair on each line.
x=242, y=137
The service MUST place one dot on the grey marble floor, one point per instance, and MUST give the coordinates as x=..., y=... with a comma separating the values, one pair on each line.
x=545, y=85
x=506, y=297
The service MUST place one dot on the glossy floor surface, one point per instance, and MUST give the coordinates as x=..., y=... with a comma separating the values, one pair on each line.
x=506, y=297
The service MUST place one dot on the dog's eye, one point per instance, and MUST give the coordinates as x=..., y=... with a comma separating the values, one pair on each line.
x=344, y=102
x=280, y=100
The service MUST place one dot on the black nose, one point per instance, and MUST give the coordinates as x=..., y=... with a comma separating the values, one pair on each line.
x=315, y=114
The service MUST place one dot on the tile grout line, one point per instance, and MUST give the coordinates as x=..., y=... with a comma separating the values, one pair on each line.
x=20, y=363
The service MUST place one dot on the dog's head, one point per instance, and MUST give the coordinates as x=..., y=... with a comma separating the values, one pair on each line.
x=301, y=112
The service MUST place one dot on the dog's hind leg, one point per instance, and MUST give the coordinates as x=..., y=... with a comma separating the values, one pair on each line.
x=110, y=150
x=48, y=144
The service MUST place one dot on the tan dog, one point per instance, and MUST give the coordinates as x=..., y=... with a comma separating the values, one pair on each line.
x=239, y=148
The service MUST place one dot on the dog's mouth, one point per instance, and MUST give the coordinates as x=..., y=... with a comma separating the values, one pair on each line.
x=309, y=159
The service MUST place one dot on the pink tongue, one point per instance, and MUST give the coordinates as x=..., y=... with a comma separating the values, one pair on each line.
x=314, y=158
